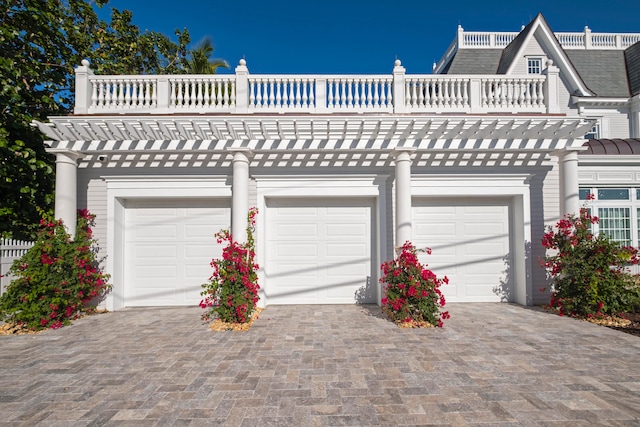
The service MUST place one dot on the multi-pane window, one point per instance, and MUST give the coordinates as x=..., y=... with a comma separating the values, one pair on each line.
x=618, y=211
x=615, y=223
x=594, y=132
x=534, y=65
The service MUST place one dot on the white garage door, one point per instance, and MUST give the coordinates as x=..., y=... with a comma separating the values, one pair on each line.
x=470, y=243
x=318, y=251
x=169, y=245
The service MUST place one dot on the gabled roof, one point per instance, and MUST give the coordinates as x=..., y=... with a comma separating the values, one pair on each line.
x=539, y=29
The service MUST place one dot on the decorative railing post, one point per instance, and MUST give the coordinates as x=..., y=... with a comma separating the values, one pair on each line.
x=163, y=94
x=551, y=94
x=242, y=88
x=460, y=36
x=587, y=37
x=399, y=100
x=475, y=95
x=321, y=105
x=83, y=88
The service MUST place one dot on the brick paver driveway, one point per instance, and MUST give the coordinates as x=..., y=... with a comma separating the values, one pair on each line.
x=322, y=365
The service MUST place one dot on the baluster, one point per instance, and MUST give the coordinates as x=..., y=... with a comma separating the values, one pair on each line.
x=197, y=86
x=465, y=93
x=540, y=89
x=121, y=88
x=375, y=87
x=305, y=98
x=259, y=92
x=297, y=101
x=349, y=93
x=252, y=97
x=503, y=93
x=312, y=97
x=288, y=92
x=222, y=94
x=231, y=88
x=101, y=93
x=413, y=93
x=181, y=97
x=137, y=94
x=330, y=93
x=407, y=93
x=272, y=96
x=94, y=94
x=483, y=93
x=154, y=93
x=172, y=97
x=278, y=91
x=207, y=85
x=126, y=90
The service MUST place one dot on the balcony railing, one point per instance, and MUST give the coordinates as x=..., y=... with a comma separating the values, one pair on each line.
x=243, y=93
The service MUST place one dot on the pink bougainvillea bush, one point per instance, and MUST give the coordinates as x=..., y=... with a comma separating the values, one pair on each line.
x=57, y=280
x=412, y=291
x=588, y=272
x=231, y=294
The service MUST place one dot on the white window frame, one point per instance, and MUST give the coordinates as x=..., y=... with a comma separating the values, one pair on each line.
x=534, y=65
x=594, y=132
x=632, y=203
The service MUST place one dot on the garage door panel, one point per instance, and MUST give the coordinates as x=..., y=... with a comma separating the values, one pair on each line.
x=296, y=231
x=340, y=248
x=169, y=245
x=470, y=242
x=346, y=230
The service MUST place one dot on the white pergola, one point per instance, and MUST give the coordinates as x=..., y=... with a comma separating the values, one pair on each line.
x=245, y=141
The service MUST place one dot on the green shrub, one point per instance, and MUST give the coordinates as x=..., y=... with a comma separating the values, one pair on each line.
x=56, y=280
x=588, y=272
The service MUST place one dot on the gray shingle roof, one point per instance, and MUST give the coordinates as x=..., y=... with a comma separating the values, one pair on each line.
x=632, y=61
x=612, y=146
x=474, y=61
x=603, y=71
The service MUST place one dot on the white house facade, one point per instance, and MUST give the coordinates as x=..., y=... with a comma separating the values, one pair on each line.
x=343, y=168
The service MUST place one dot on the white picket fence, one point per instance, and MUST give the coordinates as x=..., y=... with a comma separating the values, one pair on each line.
x=10, y=250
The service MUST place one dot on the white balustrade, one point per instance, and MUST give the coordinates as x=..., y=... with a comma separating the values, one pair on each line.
x=359, y=93
x=439, y=92
x=123, y=92
x=202, y=92
x=243, y=93
x=512, y=93
x=281, y=93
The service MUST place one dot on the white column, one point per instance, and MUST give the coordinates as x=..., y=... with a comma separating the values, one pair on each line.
x=403, y=196
x=66, y=205
x=569, y=195
x=240, y=195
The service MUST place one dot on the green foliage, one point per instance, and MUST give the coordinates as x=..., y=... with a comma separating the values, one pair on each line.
x=412, y=291
x=200, y=61
x=42, y=41
x=588, y=272
x=231, y=293
x=56, y=280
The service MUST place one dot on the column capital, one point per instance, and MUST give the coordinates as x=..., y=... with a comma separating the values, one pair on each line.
x=398, y=152
x=62, y=153
x=240, y=153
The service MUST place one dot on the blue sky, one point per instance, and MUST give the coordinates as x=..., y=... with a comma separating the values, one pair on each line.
x=360, y=36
